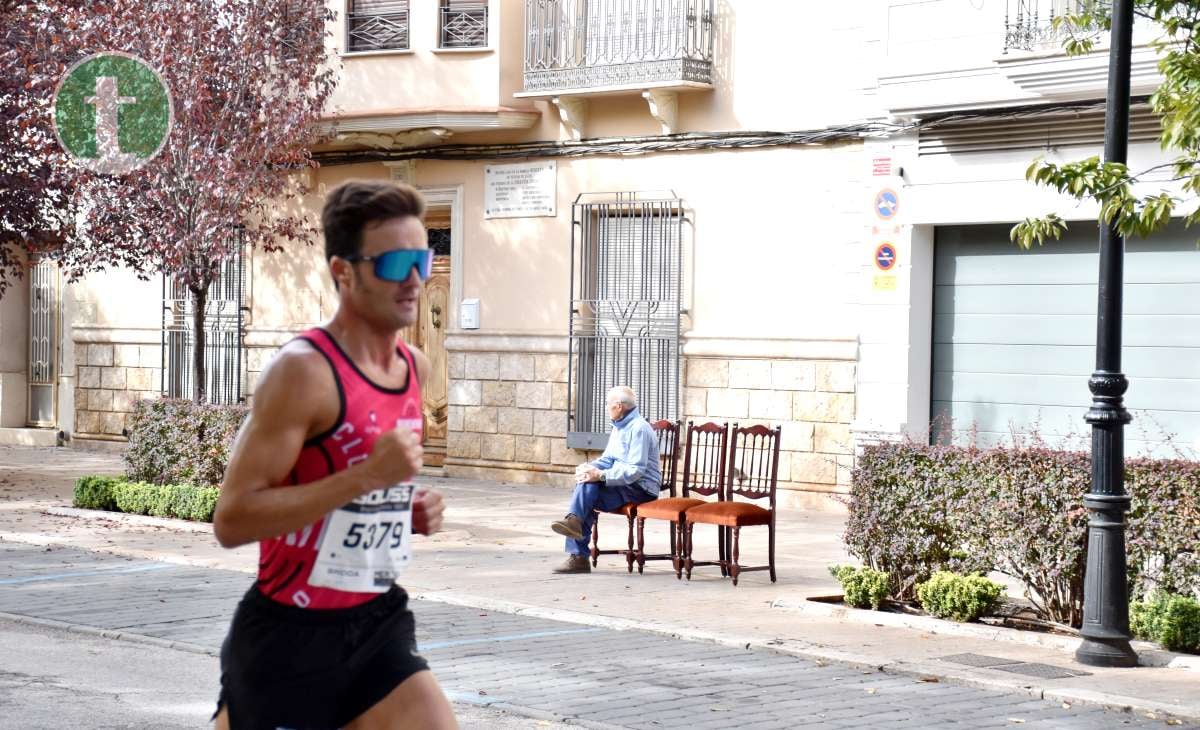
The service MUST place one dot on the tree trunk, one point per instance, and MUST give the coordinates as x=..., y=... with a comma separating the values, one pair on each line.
x=199, y=379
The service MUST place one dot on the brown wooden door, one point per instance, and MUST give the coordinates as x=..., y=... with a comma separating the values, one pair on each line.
x=431, y=336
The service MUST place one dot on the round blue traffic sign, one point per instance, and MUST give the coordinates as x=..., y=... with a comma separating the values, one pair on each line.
x=886, y=203
x=885, y=256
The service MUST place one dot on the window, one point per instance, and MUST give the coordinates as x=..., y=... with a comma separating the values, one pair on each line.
x=223, y=326
x=377, y=25
x=463, y=24
x=43, y=343
x=625, y=308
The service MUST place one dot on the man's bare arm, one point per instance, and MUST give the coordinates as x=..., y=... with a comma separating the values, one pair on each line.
x=268, y=444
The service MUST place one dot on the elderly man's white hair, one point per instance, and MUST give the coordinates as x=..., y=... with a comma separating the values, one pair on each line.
x=624, y=395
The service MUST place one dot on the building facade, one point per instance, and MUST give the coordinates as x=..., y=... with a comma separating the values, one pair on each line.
x=768, y=212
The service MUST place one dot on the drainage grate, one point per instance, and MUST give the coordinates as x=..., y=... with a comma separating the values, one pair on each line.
x=977, y=660
x=1043, y=671
x=1029, y=669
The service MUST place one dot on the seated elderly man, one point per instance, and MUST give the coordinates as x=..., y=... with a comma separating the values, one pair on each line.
x=627, y=471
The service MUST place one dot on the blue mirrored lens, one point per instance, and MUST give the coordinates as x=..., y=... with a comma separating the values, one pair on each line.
x=398, y=265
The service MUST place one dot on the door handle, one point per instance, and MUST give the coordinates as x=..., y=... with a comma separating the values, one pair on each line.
x=436, y=311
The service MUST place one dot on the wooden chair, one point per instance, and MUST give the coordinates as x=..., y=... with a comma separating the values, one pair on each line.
x=668, y=440
x=753, y=475
x=705, y=455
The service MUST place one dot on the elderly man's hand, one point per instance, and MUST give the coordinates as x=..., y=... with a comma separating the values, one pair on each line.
x=587, y=474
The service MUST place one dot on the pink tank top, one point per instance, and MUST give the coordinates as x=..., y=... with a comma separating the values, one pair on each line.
x=365, y=411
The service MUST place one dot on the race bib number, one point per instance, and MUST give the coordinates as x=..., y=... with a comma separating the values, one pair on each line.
x=366, y=544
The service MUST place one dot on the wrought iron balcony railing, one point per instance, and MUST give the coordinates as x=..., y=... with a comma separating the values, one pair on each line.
x=1029, y=24
x=463, y=25
x=582, y=44
x=377, y=26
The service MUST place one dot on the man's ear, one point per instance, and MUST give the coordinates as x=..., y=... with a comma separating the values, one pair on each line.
x=342, y=272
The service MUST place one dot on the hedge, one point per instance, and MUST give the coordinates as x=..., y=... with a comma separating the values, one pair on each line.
x=916, y=509
x=183, y=501
x=180, y=442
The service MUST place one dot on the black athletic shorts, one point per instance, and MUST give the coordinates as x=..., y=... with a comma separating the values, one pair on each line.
x=299, y=669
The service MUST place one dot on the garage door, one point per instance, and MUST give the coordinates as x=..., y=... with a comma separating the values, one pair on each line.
x=1014, y=335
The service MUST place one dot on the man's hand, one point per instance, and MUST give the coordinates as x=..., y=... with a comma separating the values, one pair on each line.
x=587, y=473
x=396, y=458
x=427, y=507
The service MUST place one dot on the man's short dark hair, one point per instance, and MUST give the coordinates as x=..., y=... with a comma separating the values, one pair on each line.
x=353, y=205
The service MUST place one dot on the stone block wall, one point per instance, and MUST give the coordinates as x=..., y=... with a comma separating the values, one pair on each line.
x=508, y=414
x=508, y=417
x=110, y=379
x=812, y=400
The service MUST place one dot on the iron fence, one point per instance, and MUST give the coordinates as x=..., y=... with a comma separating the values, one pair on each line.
x=587, y=43
x=1029, y=24
x=223, y=336
x=626, y=295
x=377, y=25
x=463, y=25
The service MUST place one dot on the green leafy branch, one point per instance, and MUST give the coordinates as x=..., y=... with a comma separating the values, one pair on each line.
x=1176, y=103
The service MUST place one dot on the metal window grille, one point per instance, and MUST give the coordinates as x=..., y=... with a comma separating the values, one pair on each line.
x=463, y=24
x=43, y=343
x=626, y=294
x=224, y=334
x=376, y=25
x=584, y=43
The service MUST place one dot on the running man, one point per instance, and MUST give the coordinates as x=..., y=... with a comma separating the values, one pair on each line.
x=320, y=475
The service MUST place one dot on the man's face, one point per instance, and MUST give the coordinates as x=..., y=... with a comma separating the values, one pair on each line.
x=387, y=304
x=616, y=409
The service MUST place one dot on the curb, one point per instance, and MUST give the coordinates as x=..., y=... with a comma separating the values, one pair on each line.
x=110, y=634
x=921, y=671
x=131, y=520
x=1149, y=655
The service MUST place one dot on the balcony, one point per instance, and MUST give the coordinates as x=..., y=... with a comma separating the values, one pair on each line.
x=576, y=47
x=462, y=25
x=1029, y=24
x=377, y=25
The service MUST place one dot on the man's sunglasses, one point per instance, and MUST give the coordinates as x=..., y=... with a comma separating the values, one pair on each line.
x=397, y=265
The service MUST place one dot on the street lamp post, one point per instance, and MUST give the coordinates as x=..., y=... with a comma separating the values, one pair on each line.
x=1105, y=628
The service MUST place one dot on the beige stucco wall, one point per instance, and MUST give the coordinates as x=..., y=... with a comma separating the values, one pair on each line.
x=422, y=76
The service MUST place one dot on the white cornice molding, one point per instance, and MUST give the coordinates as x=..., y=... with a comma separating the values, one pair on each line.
x=454, y=121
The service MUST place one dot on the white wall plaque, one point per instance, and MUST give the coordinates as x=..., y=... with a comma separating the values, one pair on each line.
x=520, y=191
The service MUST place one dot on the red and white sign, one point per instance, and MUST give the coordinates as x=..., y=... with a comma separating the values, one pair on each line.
x=881, y=167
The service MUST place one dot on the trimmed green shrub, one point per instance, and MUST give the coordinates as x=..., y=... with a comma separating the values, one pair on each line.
x=861, y=587
x=95, y=492
x=959, y=597
x=180, y=442
x=915, y=509
x=182, y=501
x=1173, y=621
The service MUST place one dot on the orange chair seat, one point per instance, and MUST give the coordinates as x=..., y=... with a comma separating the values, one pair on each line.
x=730, y=514
x=670, y=508
x=629, y=509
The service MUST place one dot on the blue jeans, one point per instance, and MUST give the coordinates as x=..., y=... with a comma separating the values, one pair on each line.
x=590, y=496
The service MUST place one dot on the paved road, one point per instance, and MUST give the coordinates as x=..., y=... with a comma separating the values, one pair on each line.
x=596, y=677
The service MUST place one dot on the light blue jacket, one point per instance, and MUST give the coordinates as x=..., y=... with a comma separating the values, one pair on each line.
x=631, y=456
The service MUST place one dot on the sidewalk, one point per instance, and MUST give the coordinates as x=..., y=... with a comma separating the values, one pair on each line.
x=496, y=553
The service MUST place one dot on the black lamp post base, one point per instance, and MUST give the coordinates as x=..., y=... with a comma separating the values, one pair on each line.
x=1106, y=653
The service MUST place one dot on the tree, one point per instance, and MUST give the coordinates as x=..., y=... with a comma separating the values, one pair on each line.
x=1176, y=102
x=248, y=80
x=33, y=203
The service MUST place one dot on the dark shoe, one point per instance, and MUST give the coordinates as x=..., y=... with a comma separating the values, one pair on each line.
x=569, y=526
x=575, y=564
